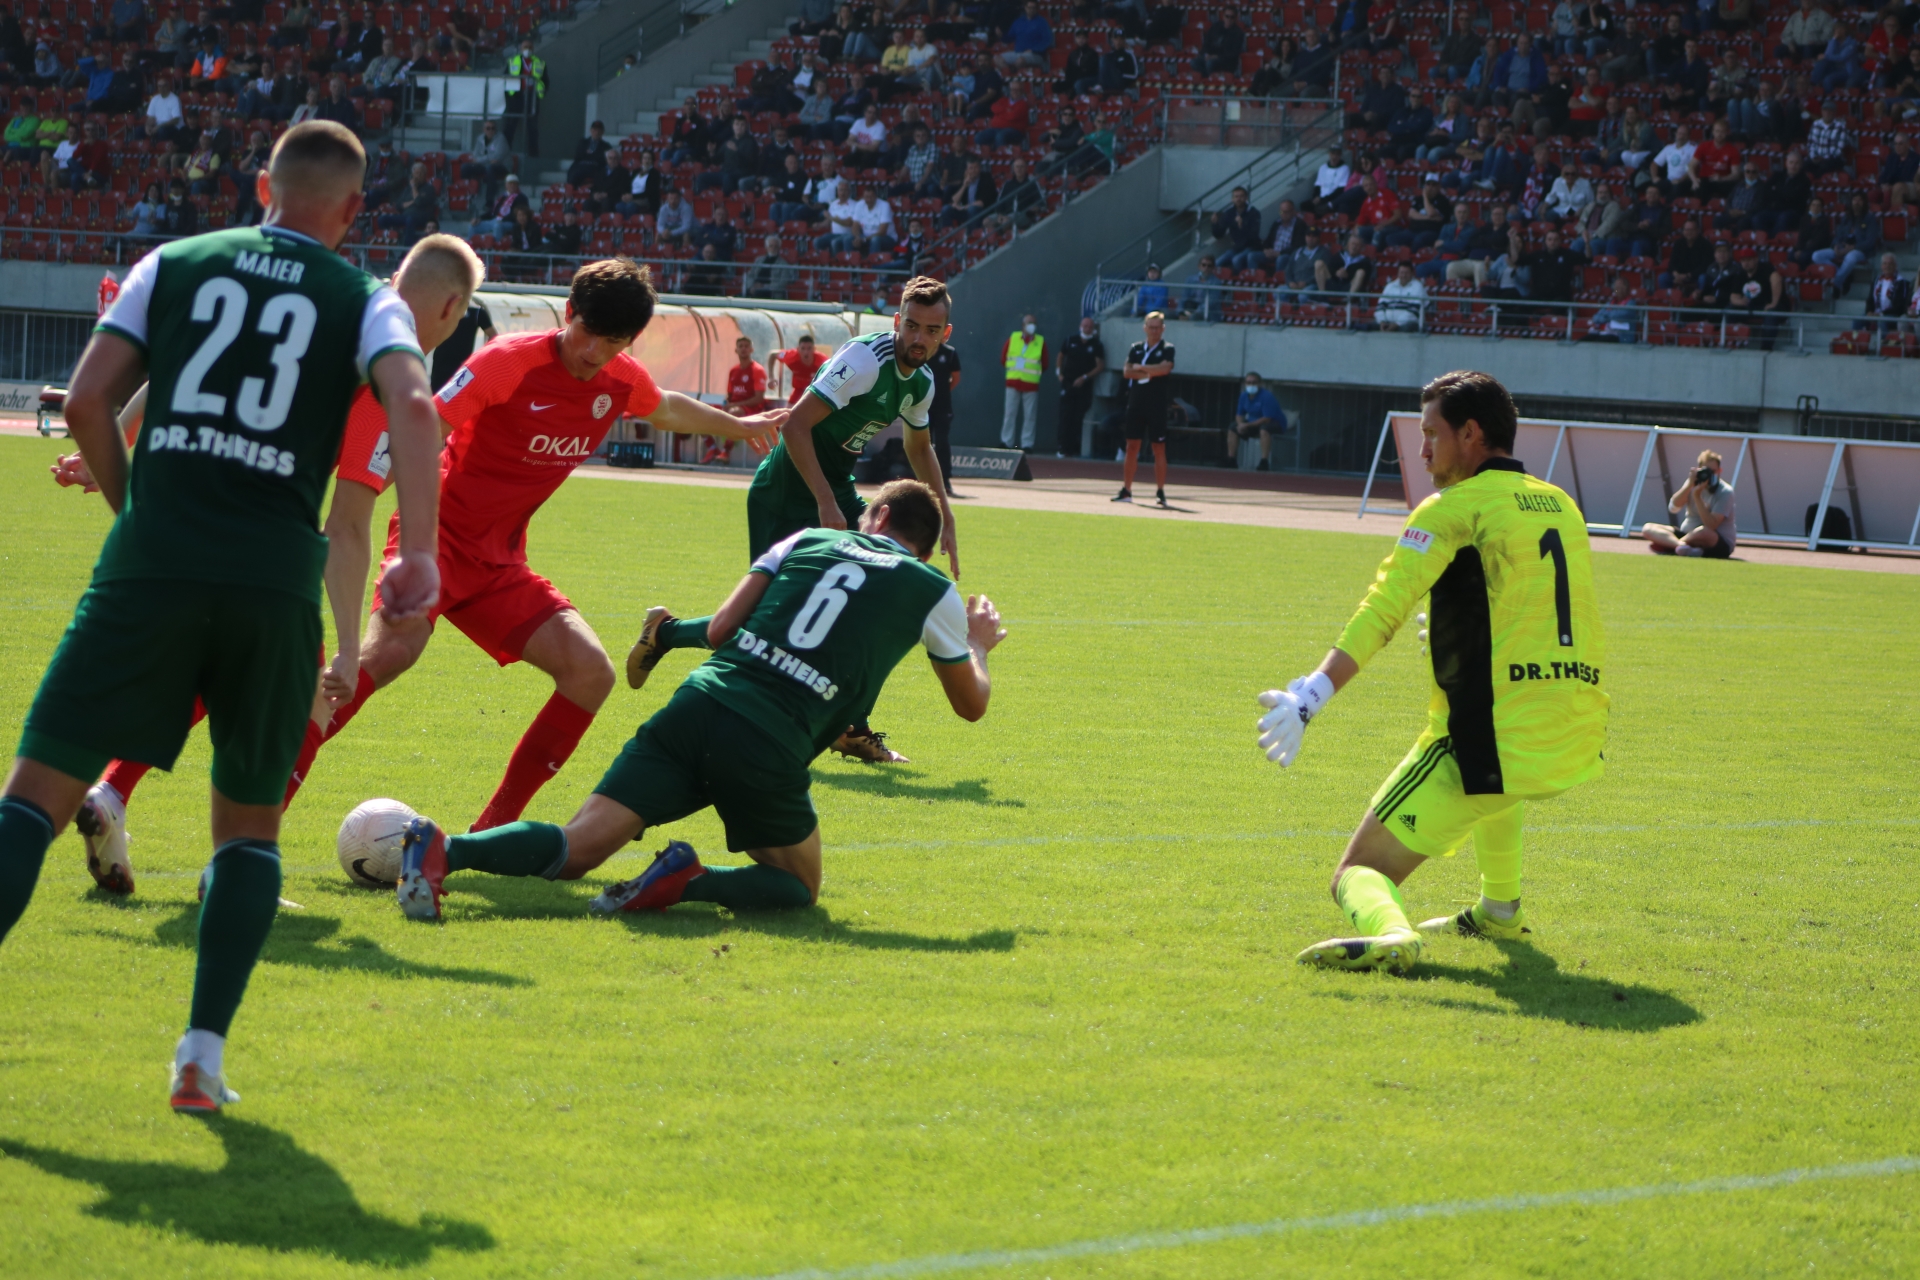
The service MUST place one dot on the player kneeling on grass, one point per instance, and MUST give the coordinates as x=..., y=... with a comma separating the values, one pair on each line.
x=811, y=633
x=1517, y=711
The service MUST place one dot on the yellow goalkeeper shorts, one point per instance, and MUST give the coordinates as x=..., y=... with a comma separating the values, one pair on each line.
x=1424, y=804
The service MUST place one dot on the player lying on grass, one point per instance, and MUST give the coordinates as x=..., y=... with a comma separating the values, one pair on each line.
x=1517, y=711
x=436, y=281
x=254, y=340
x=807, y=482
x=812, y=632
x=522, y=414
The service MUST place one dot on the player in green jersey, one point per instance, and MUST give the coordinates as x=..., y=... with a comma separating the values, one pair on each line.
x=810, y=634
x=253, y=342
x=1517, y=712
x=871, y=382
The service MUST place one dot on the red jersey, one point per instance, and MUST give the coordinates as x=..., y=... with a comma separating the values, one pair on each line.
x=745, y=385
x=801, y=370
x=521, y=424
x=363, y=449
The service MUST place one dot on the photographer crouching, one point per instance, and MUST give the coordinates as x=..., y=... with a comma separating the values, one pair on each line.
x=1702, y=513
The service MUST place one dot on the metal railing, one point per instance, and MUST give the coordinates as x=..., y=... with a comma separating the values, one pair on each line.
x=1216, y=120
x=1733, y=328
x=650, y=27
x=1267, y=176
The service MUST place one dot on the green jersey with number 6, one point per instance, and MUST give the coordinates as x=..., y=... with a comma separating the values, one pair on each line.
x=867, y=390
x=842, y=610
x=256, y=339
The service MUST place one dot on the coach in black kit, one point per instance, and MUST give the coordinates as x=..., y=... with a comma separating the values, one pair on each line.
x=945, y=367
x=1080, y=361
x=1149, y=395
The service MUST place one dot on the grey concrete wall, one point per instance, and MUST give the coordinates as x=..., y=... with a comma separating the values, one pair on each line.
x=1044, y=272
x=1749, y=380
x=50, y=286
x=574, y=61
x=1187, y=173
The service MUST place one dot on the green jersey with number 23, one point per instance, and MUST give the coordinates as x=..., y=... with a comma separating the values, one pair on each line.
x=256, y=340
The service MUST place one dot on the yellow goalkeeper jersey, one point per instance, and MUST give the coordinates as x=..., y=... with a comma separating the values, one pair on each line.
x=1518, y=650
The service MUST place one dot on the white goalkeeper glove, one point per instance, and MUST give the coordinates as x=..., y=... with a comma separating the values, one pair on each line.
x=1288, y=711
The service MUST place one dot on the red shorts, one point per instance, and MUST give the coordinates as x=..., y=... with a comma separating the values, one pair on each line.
x=497, y=606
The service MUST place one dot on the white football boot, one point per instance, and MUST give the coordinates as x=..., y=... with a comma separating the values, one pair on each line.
x=103, y=825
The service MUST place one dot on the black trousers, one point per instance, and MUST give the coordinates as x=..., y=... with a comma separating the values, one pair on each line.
x=1074, y=403
x=942, y=429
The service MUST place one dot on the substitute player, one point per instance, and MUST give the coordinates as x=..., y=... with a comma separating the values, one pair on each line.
x=1517, y=711
x=253, y=340
x=872, y=381
x=523, y=413
x=810, y=634
x=436, y=281
x=746, y=392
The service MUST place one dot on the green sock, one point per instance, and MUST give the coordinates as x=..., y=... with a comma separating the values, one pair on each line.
x=243, y=893
x=1372, y=903
x=686, y=633
x=517, y=849
x=25, y=833
x=749, y=888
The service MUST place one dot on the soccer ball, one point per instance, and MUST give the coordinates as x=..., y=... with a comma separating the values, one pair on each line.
x=369, y=844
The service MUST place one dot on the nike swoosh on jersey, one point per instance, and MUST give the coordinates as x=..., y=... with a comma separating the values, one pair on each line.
x=538, y=407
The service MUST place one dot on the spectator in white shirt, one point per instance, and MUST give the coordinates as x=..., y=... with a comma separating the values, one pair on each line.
x=923, y=64
x=1571, y=195
x=866, y=139
x=874, y=217
x=1330, y=181
x=1401, y=302
x=163, y=111
x=1677, y=159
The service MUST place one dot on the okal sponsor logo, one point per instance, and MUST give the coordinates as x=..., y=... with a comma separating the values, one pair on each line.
x=561, y=446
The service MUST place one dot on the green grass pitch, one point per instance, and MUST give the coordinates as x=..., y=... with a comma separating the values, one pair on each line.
x=1048, y=996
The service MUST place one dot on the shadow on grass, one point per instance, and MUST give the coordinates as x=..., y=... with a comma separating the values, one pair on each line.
x=1533, y=983
x=811, y=924
x=268, y=1195
x=892, y=783
x=313, y=942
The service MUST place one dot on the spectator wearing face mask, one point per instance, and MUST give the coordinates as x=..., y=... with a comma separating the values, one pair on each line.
x=1258, y=413
x=1024, y=355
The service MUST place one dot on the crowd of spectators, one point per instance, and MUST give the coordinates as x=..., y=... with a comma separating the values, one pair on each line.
x=1707, y=160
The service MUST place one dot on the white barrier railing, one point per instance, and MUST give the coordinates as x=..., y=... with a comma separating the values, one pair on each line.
x=1792, y=480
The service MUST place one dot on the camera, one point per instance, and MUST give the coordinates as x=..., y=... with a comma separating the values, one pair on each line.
x=1703, y=476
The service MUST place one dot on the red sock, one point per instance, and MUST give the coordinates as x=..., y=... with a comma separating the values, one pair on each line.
x=124, y=775
x=543, y=748
x=362, y=690
x=309, y=748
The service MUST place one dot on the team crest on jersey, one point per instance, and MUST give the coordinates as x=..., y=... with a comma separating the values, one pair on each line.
x=455, y=383
x=601, y=403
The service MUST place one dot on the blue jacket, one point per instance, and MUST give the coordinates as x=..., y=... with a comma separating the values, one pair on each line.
x=1030, y=35
x=1504, y=67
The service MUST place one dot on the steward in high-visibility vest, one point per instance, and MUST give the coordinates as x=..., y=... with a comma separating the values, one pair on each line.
x=1024, y=357
x=534, y=67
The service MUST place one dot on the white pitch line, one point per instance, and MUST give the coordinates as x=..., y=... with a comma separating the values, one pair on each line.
x=943, y=1264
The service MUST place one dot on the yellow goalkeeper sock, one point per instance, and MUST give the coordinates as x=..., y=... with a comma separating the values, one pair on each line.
x=1372, y=903
x=1496, y=847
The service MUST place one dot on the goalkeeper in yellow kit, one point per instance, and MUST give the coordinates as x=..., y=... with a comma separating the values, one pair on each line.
x=1517, y=713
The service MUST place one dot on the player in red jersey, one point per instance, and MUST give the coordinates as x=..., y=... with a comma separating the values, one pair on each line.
x=436, y=281
x=746, y=391
x=802, y=363
x=523, y=413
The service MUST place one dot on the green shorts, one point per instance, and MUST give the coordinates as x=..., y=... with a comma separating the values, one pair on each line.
x=1425, y=805
x=696, y=752
x=775, y=511
x=139, y=651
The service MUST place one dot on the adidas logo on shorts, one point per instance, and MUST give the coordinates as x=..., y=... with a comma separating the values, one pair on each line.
x=1407, y=820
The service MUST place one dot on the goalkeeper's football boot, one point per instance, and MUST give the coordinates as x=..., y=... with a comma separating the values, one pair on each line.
x=103, y=826
x=656, y=888
x=647, y=649
x=1395, y=952
x=868, y=746
x=423, y=869
x=1477, y=922
x=198, y=1092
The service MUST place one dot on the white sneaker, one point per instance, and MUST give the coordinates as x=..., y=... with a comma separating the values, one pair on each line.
x=102, y=821
x=198, y=1092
